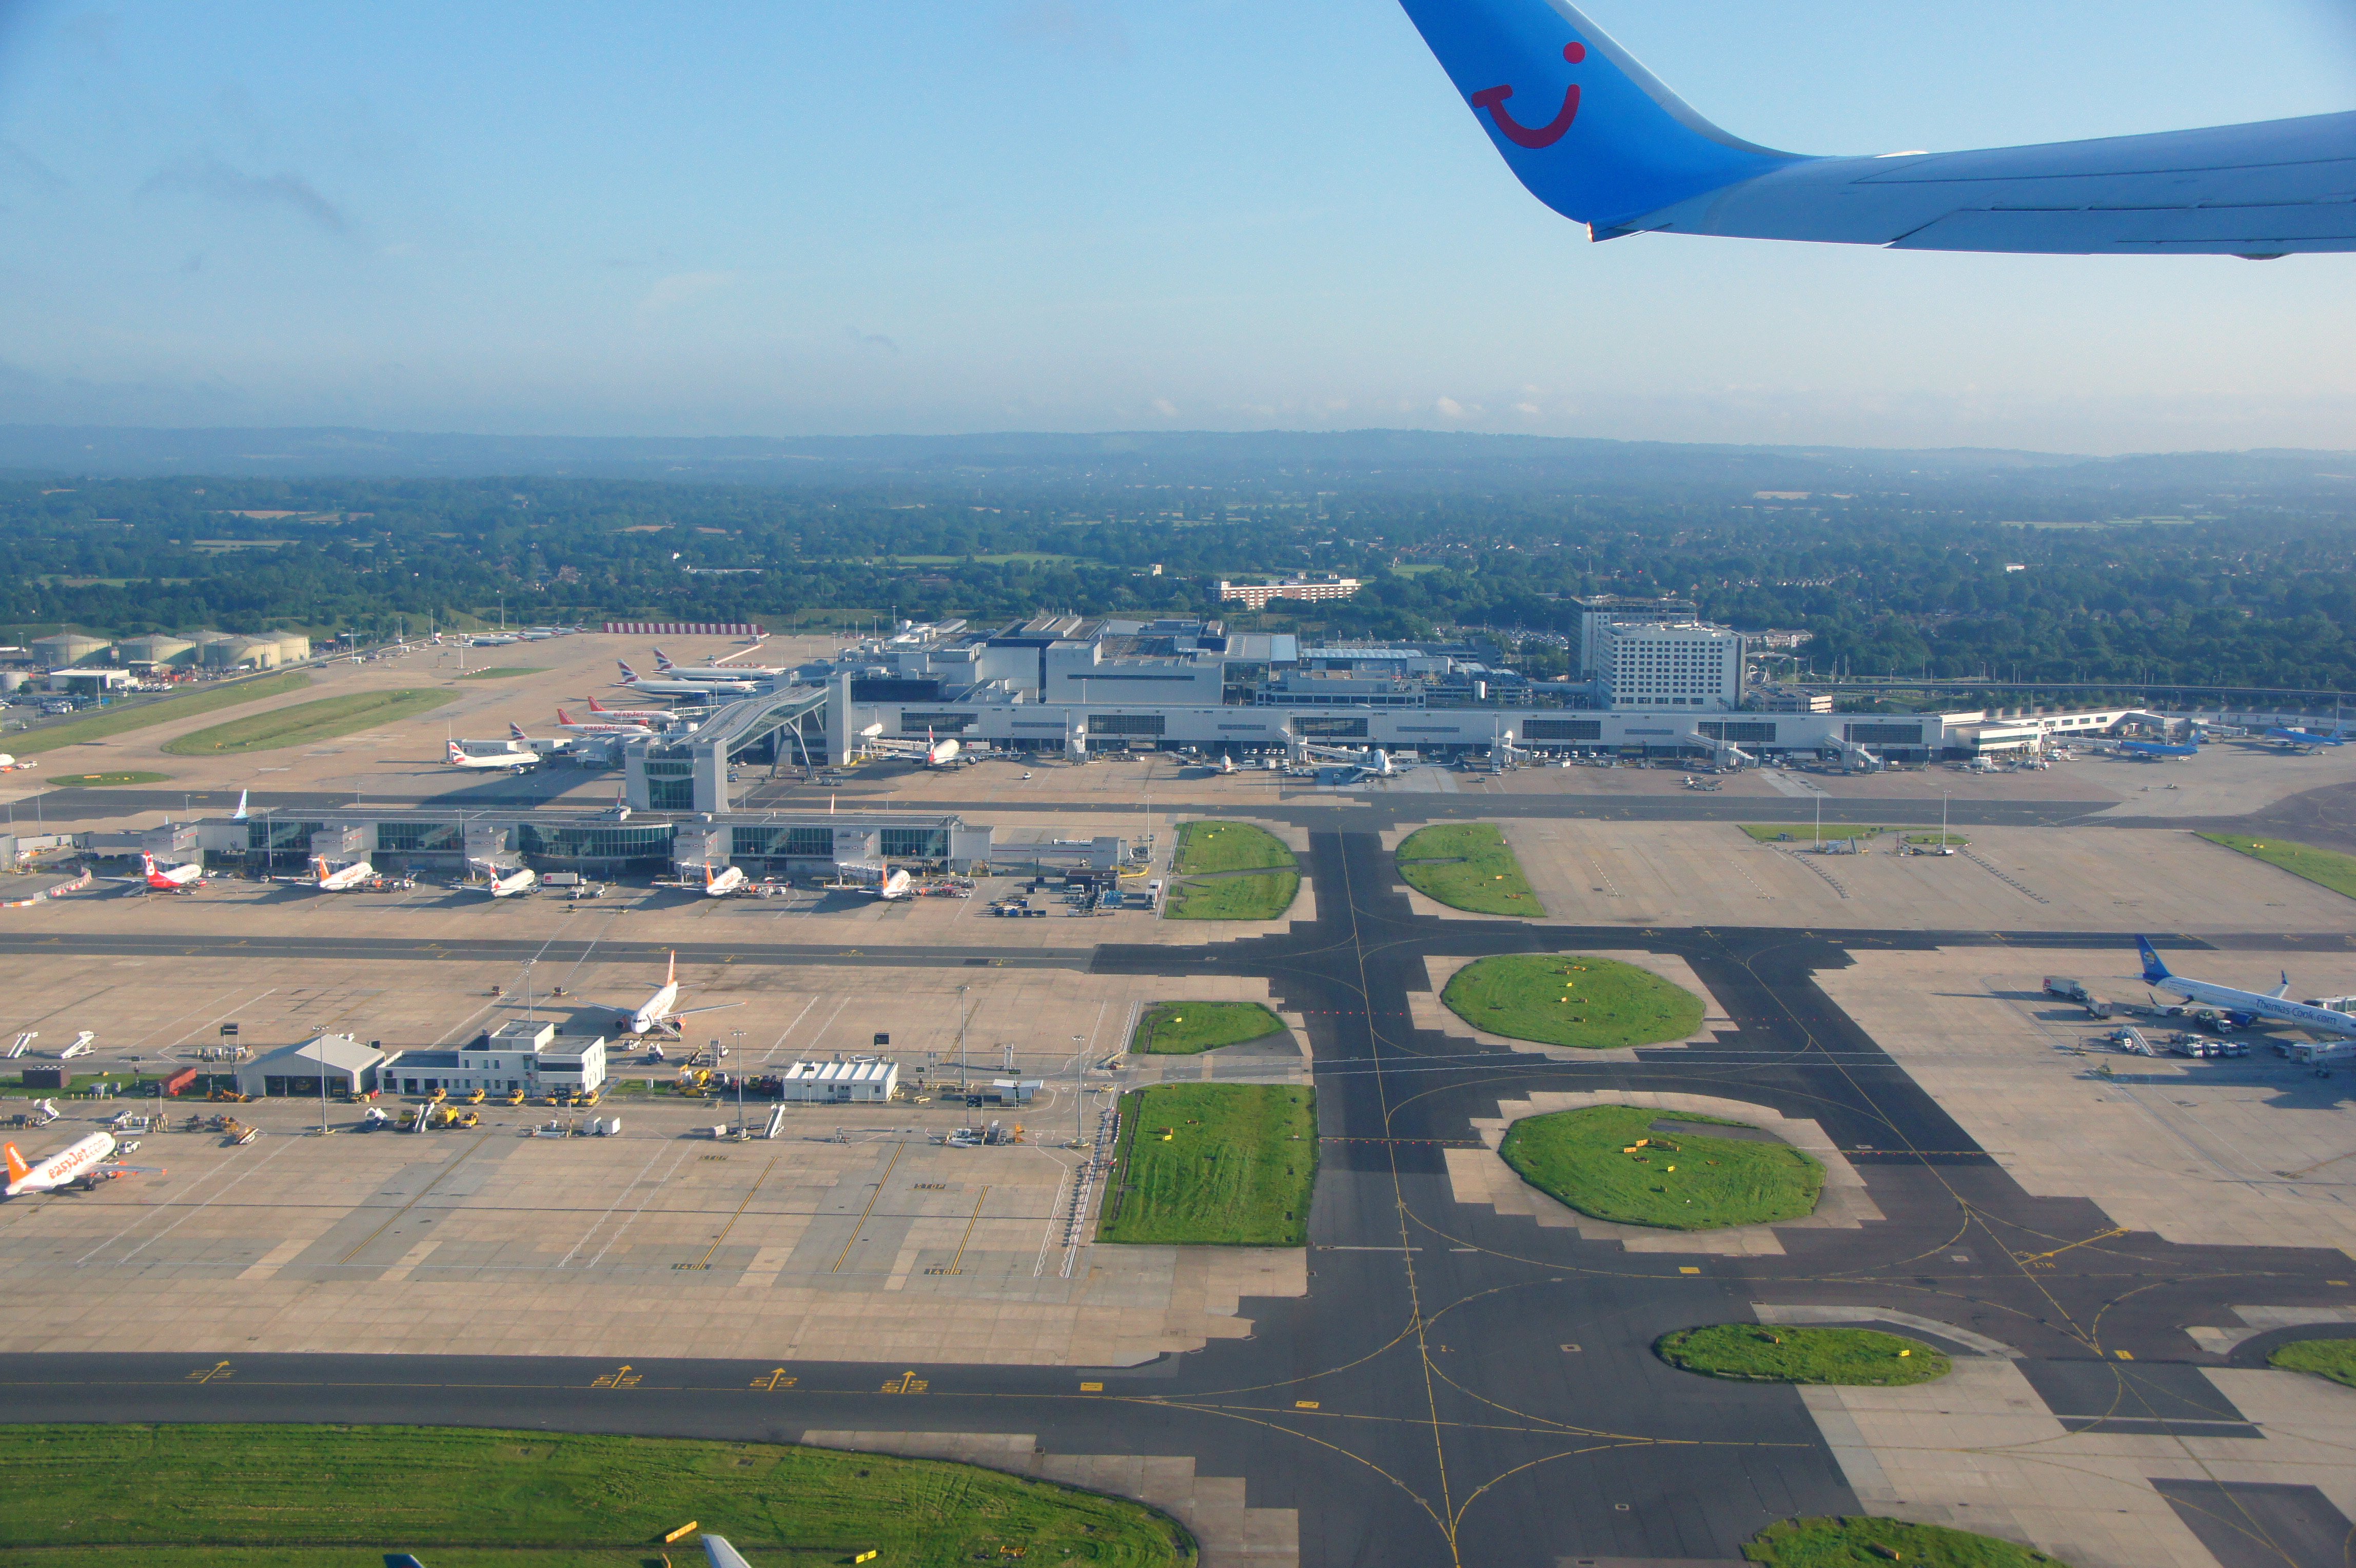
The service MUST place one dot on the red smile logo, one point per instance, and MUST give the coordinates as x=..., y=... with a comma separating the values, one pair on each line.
x=1492, y=98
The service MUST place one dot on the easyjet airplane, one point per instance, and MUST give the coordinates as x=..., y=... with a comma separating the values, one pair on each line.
x=80, y=1166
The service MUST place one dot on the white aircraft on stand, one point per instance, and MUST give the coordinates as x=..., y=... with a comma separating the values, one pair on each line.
x=2275, y=1006
x=718, y=881
x=932, y=754
x=80, y=1166
x=669, y=672
x=631, y=715
x=505, y=881
x=720, y=687
x=9, y=764
x=515, y=761
x=352, y=878
x=660, y=1013
x=1371, y=762
x=898, y=885
x=167, y=878
x=610, y=725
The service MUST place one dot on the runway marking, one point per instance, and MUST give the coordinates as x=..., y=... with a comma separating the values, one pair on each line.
x=957, y=1263
x=471, y=1150
x=2045, y=1260
x=212, y=1374
x=624, y=1378
x=873, y=1197
x=705, y=1261
x=905, y=1383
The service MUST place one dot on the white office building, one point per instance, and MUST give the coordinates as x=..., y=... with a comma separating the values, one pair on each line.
x=1662, y=664
x=873, y=1080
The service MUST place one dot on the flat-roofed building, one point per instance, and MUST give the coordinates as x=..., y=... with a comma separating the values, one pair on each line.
x=862, y=1080
x=350, y=1065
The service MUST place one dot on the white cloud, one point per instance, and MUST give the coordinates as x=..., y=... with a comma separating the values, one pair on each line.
x=681, y=288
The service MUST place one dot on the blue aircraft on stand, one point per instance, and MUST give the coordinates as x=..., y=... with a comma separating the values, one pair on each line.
x=2156, y=751
x=1598, y=138
x=2308, y=738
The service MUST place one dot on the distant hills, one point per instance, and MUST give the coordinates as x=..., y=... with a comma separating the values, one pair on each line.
x=1417, y=459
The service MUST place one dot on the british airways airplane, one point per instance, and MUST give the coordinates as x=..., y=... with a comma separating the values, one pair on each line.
x=1598, y=138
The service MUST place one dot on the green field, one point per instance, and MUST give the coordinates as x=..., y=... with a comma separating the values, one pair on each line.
x=1188, y=1028
x=1569, y=999
x=2333, y=1359
x=504, y=672
x=1263, y=896
x=1851, y=1543
x=1207, y=847
x=210, y=1497
x=105, y=780
x=1466, y=865
x=307, y=722
x=1764, y=1353
x=163, y=711
x=2324, y=868
x=1606, y=1161
x=1807, y=832
x=1219, y=1163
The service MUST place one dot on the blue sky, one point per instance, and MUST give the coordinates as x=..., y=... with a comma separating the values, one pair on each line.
x=790, y=218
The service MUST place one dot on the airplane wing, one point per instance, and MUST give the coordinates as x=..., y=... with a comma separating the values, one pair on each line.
x=722, y=1554
x=1624, y=154
x=691, y=1012
x=110, y=1168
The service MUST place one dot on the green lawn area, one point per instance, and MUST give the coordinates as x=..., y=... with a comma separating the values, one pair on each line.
x=2333, y=1359
x=2324, y=868
x=162, y=711
x=1206, y=847
x=1850, y=1544
x=1606, y=1161
x=504, y=672
x=1778, y=1353
x=1262, y=895
x=1466, y=865
x=1223, y=1163
x=102, y=780
x=1570, y=999
x=1188, y=1028
x=307, y=722
x=210, y=1497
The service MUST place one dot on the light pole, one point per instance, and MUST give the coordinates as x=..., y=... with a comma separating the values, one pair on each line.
x=1080, y=1092
x=962, y=1090
x=738, y=1050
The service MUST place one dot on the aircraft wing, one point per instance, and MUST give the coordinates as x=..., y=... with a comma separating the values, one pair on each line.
x=110, y=1168
x=2263, y=189
x=1600, y=139
x=691, y=1012
x=722, y=1554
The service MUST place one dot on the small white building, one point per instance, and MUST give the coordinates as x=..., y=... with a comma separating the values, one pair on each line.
x=863, y=1080
x=349, y=1066
x=523, y=1054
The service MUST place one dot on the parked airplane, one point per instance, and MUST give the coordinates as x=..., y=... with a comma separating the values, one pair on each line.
x=80, y=1166
x=630, y=715
x=896, y=885
x=721, y=883
x=664, y=667
x=2153, y=751
x=2256, y=1004
x=10, y=765
x=638, y=683
x=564, y=721
x=515, y=761
x=167, y=878
x=1598, y=138
x=506, y=882
x=2308, y=738
x=352, y=878
x=934, y=753
x=660, y=1011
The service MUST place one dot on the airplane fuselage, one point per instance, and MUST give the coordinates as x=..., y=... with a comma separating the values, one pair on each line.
x=77, y=1162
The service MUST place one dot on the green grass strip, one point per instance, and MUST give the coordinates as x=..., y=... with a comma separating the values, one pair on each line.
x=105, y=780
x=2333, y=1359
x=504, y=672
x=1467, y=866
x=1263, y=896
x=1605, y=1159
x=1571, y=999
x=1207, y=847
x=321, y=1495
x=1189, y=1029
x=132, y=716
x=307, y=722
x=2324, y=868
x=1778, y=1353
x=1222, y=1164
x=1852, y=1542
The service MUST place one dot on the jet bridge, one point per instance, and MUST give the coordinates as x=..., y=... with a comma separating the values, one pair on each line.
x=690, y=772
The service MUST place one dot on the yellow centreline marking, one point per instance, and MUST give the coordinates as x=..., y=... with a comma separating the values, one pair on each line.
x=897, y=1150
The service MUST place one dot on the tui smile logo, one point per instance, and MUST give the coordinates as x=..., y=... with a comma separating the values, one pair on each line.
x=1492, y=98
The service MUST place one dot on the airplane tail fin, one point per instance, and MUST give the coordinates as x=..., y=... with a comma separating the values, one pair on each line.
x=597, y=707
x=1592, y=134
x=2154, y=970
x=662, y=660
x=670, y=975
x=239, y=815
x=17, y=1169
x=561, y=717
x=627, y=674
x=456, y=755
x=2284, y=989
x=515, y=730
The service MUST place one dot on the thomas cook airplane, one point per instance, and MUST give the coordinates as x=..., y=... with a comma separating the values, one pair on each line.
x=1598, y=138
